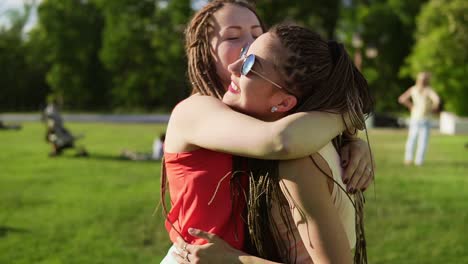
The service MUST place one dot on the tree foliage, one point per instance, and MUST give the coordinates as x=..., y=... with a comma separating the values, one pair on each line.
x=442, y=40
x=72, y=30
x=126, y=51
x=21, y=81
x=322, y=16
x=387, y=26
x=129, y=54
x=168, y=42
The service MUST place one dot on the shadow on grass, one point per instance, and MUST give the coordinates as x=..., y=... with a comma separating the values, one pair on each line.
x=107, y=157
x=101, y=157
x=5, y=230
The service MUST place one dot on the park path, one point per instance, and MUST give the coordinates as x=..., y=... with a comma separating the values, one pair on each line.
x=101, y=118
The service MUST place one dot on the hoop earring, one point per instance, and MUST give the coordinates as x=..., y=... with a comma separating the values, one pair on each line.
x=274, y=109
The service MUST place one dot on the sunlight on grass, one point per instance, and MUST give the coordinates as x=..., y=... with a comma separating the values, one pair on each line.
x=100, y=209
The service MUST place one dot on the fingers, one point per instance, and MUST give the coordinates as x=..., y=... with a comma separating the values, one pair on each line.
x=202, y=234
x=365, y=179
x=368, y=181
x=182, y=258
x=351, y=186
x=184, y=252
x=182, y=246
x=345, y=154
x=350, y=169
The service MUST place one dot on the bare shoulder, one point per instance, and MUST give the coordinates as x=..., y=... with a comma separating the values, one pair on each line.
x=197, y=99
x=294, y=164
x=306, y=163
x=301, y=170
x=297, y=168
x=304, y=181
x=196, y=105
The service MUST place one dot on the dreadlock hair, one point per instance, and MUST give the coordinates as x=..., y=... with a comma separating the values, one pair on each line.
x=202, y=71
x=323, y=77
x=205, y=81
x=201, y=67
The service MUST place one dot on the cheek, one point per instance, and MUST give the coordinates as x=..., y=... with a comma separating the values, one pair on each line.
x=228, y=53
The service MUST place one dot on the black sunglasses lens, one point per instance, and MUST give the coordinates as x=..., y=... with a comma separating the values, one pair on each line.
x=248, y=64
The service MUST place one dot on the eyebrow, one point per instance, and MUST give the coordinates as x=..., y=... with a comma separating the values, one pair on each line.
x=240, y=28
x=232, y=27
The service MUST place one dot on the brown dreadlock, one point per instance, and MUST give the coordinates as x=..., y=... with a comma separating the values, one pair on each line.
x=323, y=78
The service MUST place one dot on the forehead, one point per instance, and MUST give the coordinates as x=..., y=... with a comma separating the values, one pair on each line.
x=266, y=47
x=234, y=15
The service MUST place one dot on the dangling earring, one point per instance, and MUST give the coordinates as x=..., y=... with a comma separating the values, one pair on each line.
x=274, y=109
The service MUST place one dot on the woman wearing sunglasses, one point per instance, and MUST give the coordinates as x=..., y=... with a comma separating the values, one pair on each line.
x=200, y=179
x=287, y=71
x=214, y=38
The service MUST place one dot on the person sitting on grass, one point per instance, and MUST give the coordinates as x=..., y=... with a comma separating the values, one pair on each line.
x=57, y=135
x=157, y=153
x=4, y=126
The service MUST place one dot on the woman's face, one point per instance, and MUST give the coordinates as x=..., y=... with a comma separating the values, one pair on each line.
x=252, y=94
x=233, y=27
x=422, y=80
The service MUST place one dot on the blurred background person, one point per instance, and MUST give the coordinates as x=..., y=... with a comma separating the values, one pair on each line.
x=9, y=126
x=57, y=135
x=421, y=100
x=156, y=154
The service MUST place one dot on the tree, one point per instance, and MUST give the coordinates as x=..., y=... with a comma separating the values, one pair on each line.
x=168, y=42
x=72, y=29
x=442, y=38
x=388, y=27
x=127, y=52
x=22, y=82
x=322, y=16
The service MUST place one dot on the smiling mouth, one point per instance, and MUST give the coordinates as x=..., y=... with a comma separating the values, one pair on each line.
x=234, y=88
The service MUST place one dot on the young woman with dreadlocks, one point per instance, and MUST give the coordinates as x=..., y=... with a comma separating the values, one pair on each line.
x=299, y=211
x=214, y=39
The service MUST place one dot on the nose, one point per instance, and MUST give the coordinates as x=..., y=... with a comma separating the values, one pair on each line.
x=234, y=68
x=246, y=45
x=249, y=40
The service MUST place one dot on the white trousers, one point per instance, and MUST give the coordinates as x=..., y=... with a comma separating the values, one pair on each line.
x=418, y=133
x=169, y=259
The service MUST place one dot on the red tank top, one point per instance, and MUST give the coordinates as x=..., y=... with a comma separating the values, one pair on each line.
x=200, y=191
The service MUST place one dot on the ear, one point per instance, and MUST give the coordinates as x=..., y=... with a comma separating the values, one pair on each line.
x=287, y=102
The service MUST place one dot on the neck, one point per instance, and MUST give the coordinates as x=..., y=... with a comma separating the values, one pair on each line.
x=273, y=117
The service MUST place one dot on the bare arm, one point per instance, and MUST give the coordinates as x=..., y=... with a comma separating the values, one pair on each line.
x=319, y=224
x=206, y=122
x=435, y=99
x=404, y=98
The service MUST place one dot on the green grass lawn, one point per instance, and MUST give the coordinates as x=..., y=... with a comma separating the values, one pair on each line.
x=100, y=209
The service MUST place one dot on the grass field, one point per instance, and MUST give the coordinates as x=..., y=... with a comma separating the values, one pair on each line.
x=100, y=209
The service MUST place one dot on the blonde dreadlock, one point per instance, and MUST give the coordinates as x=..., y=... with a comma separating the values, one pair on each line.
x=201, y=67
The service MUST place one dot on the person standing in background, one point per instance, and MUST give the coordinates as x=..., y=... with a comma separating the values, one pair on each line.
x=421, y=100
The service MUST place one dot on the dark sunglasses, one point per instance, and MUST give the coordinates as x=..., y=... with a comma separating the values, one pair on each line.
x=249, y=62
